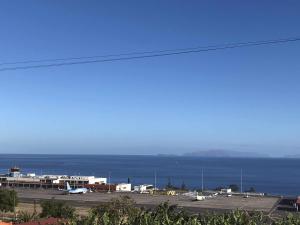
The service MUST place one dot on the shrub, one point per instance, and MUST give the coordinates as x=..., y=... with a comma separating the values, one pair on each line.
x=57, y=209
x=8, y=200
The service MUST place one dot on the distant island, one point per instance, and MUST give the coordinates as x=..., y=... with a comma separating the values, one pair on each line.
x=225, y=154
x=296, y=156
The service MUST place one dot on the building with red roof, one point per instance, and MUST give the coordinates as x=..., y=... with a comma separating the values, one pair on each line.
x=4, y=223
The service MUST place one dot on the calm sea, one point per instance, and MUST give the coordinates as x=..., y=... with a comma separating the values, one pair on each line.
x=274, y=176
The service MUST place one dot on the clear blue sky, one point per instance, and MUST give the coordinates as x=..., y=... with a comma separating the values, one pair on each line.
x=243, y=99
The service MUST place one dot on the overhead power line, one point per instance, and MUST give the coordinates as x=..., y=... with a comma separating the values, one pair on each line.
x=138, y=52
x=135, y=55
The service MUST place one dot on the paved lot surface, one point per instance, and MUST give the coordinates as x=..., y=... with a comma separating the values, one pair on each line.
x=219, y=203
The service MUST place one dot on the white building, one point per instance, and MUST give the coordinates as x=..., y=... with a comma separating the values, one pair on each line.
x=76, y=179
x=123, y=187
x=21, y=179
x=143, y=188
x=226, y=190
x=30, y=175
x=14, y=178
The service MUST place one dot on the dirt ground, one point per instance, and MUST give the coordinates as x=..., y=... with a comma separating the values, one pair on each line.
x=29, y=207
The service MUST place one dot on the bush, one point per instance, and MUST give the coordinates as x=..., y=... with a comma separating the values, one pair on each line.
x=8, y=200
x=251, y=190
x=122, y=211
x=25, y=216
x=219, y=188
x=118, y=211
x=234, y=187
x=57, y=209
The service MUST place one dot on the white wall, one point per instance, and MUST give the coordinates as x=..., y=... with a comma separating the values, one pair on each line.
x=123, y=187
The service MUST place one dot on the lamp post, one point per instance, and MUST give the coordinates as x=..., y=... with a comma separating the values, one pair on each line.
x=202, y=184
x=109, y=173
x=241, y=180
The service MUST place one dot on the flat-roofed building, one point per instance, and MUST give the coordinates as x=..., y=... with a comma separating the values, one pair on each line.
x=123, y=187
x=16, y=179
x=143, y=188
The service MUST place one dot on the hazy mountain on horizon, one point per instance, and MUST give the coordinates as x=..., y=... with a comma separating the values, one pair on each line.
x=225, y=153
x=292, y=156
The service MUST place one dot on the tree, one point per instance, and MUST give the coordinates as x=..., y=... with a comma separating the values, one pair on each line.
x=183, y=186
x=219, y=188
x=234, y=187
x=251, y=190
x=8, y=200
x=118, y=211
x=169, y=184
x=57, y=209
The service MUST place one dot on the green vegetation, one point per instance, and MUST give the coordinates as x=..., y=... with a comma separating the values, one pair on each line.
x=123, y=212
x=251, y=190
x=118, y=211
x=183, y=186
x=234, y=187
x=8, y=200
x=170, y=186
x=57, y=209
x=25, y=216
x=219, y=188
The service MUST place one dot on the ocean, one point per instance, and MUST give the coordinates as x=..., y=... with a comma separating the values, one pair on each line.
x=268, y=175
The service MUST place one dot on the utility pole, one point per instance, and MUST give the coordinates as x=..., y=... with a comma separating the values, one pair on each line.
x=241, y=180
x=41, y=185
x=109, y=182
x=154, y=181
x=202, y=184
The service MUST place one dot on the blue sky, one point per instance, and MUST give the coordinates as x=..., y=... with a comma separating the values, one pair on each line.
x=243, y=99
